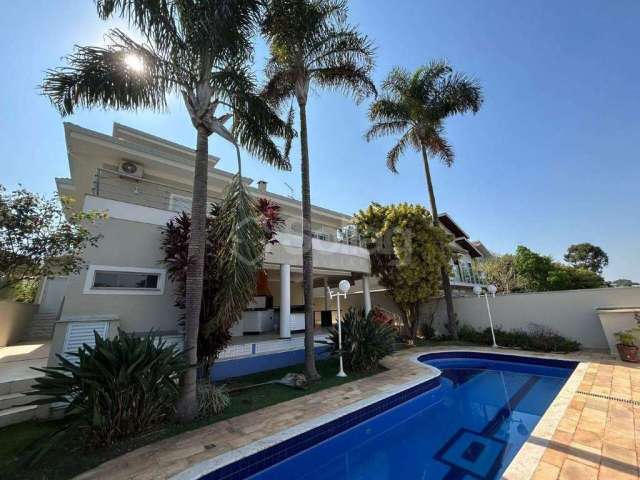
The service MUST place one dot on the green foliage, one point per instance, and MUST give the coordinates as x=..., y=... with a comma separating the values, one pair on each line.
x=626, y=338
x=532, y=269
x=414, y=106
x=587, y=256
x=26, y=290
x=407, y=253
x=118, y=388
x=365, y=341
x=212, y=399
x=237, y=232
x=500, y=271
x=312, y=45
x=41, y=237
x=623, y=282
x=537, y=338
x=562, y=277
x=539, y=273
x=427, y=331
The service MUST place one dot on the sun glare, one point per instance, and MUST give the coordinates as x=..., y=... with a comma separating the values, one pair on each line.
x=134, y=62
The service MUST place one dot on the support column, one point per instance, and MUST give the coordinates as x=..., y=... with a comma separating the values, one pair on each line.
x=366, y=294
x=326, y=293
x=285, y=301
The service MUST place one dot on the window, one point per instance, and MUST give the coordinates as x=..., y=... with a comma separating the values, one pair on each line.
x=102, y=279
x=320, y=236
x=179, y=203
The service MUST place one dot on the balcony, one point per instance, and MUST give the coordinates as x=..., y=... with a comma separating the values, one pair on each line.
x=163, y=196
x=465, y=275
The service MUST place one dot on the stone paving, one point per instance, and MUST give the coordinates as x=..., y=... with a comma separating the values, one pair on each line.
x=592, y=436
x=599, y=435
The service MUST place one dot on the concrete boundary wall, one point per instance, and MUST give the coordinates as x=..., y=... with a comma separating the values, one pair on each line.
x=571, y=313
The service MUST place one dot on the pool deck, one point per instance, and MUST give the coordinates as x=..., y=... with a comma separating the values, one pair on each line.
x=591, y=430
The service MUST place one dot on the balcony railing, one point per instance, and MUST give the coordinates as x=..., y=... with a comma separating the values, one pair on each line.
x=141, y=191
x=464, y=274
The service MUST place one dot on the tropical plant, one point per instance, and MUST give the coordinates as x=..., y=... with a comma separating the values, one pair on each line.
x=199, y=50
x=220, y=311
x=120, y=387
x=312, y=44
x=587, y=256
x=415, y=106
x=212, y=399
x=40, y=237
x=407, y=253
x=365, y=341
x=626, y=338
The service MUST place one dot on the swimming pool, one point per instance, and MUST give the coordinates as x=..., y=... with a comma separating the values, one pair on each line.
x=468, y=423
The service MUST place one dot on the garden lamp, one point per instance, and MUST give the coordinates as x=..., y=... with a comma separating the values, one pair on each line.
x=343, y=288
x=490, y=290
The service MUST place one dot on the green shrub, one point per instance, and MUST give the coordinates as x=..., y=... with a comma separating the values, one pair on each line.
x=536, y=338
x=118, y=388
x=25, y=291
x=365, y=341
x=212, y=399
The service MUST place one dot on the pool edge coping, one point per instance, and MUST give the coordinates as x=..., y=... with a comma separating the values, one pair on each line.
x=517, y=465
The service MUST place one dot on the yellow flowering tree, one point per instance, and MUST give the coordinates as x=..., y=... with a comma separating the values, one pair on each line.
x=407, y=255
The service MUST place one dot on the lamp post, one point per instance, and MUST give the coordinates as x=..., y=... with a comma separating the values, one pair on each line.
x=343, y=288
x=490, y=290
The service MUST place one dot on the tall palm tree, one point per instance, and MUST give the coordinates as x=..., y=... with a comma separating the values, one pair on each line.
x=199, y=50
x=415, y=105
x=312, y=44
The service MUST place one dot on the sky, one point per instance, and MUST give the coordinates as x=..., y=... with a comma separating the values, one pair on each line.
x=551, y=159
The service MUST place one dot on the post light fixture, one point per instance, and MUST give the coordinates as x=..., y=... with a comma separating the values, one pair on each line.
x=480, y=292
x=342, y=290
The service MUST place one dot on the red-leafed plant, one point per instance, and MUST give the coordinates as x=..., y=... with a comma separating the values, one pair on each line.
x=214, y=328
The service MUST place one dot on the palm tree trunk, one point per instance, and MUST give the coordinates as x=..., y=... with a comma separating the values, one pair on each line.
x=187, y=407
x=446, y=285
x=307, y=252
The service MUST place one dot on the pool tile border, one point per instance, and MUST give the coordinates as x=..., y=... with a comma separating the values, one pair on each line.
x=250, y=459
x=524, y=464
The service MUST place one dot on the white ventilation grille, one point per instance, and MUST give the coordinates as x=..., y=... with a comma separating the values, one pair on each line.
x=79, y=333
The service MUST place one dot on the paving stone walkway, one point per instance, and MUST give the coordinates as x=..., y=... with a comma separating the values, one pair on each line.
x=596, y=437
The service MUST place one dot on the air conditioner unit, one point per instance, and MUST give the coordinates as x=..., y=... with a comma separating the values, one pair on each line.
x=130, y=169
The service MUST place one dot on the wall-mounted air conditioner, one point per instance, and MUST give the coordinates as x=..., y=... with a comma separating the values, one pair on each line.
x=130, y=169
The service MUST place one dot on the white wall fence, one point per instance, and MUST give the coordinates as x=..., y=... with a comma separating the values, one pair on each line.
x=571, y=313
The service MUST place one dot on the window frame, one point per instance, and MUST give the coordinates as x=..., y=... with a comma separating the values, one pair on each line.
x=89, y=289
x=175, y=198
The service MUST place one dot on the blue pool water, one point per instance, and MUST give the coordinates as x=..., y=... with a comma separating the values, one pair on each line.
x=469, y=424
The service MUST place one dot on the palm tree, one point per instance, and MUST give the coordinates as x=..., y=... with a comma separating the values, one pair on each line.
x=415, y=106
x=312, y=45
x=199, y=50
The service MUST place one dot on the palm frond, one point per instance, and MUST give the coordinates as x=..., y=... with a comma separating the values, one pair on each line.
x=437, y=145
x=398, y=149
x=387, y=109
x=97, y=76
x=382, y=129
x=280, y=84
x=241, y=238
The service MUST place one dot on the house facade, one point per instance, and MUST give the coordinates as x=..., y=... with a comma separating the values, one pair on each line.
x=142, y=181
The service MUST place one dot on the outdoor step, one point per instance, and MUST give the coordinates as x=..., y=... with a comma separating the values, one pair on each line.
x=16, y=386
x=11, y=400
x=17, y=414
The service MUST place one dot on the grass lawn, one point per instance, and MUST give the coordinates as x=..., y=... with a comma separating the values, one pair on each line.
x=68, y=457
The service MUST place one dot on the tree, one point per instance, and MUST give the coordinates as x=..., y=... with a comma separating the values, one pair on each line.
x=312, y=44
x=41, y=237
x=199, y=50
x=587, y=256
x=532, y=269
x=563, y=277
x=214, y=328
x=415, y=106
x=500, y=271
x=623, y=282
x=407, y=253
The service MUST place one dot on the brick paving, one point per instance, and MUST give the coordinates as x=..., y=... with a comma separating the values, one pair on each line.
x=595, y=438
